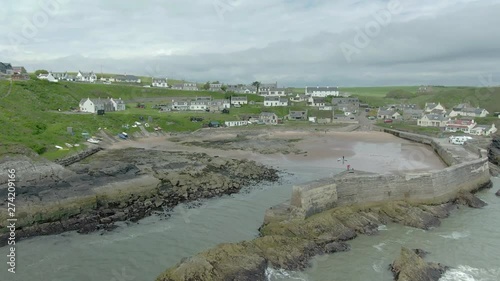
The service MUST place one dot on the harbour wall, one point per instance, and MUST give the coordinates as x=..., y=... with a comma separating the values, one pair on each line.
x=467, y=170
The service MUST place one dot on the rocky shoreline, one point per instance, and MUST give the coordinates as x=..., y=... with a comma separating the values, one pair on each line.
x=291, y=244
x=121, y=185
x=411, y=266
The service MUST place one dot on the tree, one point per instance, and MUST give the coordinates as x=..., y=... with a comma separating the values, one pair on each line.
x=206, y=86
x=257, y=85
x=223, y=88
x=41, y=71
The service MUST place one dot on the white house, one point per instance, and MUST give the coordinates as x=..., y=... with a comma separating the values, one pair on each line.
x=198, y=105
x=275, y=92
x=467, y=111
x=86, y=77
x=127, y=79
x=107, y=79
x=49, y=77
x=432, y=120
x=93, y=105
x=239, y=100
x=160, y=82
x=275, y=101
x=316, y=101
x=482, y=130
x=430, y=107
x=219, y=104
x=118, y=105
x=460, y=125
x=322, y=91
x=235, y=123
x=299, y=98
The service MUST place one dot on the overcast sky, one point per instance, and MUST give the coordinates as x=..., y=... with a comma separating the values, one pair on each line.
x=293, y=42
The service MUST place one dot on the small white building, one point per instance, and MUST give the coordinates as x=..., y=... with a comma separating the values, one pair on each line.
x=160, y=82
x=49, y=77
x=90, y=77
x=275, y=101
x=239, y=100
x=235, y=123
x=198, y=105
x=322, y=91
x=118, y=104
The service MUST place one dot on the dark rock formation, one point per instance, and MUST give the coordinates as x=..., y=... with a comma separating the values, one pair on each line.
x=409, y=266
x=498, y=193
x=494, y=155
x=469, y=199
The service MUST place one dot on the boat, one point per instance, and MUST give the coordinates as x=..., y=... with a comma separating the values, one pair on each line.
x=122, y=136
x=69, y=145
x=58, y=147
x=92, y=140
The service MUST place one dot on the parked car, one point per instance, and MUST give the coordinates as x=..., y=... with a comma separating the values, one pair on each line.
x=388, y=121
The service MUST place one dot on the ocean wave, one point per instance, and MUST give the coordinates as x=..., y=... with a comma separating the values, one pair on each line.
x=379, y=246
x=378, y=267
x=456, y=235
x=281, y=274
x=468, y=273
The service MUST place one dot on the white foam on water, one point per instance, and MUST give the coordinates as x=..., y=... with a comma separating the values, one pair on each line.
x=378, y=267
x=455, y=235
x=382, y=227
x=281, y=274
x=379, y=246
x=468, y=273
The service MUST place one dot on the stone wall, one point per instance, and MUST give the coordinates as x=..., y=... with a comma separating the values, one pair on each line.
x=79, y=156
x=357, y=187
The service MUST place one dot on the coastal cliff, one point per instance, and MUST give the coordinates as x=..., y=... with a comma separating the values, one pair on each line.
x=494, y=155
x=118, y=185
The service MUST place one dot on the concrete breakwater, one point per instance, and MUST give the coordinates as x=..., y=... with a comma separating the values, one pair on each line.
x=468, y=171
x=79, y=156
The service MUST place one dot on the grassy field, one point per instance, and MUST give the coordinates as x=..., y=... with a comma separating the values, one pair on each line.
x=29, y=116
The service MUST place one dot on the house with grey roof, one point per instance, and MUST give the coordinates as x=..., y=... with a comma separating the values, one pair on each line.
x=90, y=77
x=127, y=79
x=387, y=113
x=219, y=104
x=180, y=104
x=118, y=104
x=178, y=86
x=239, y=100
x=431, y=106
x=19, y=70
x=6, y=68
x=322, y=91
x=190, y=87
x=412, y=114
x=269, y=118
x=297, y=115
x=299, y=98
x=159, y=82
x=275, y=101
x=466, y=110
x=93, y=105
x=215, y=87
x=345, y=104
x=433, y=120
x=63, y=76
x=199, y=105
x=316, y=101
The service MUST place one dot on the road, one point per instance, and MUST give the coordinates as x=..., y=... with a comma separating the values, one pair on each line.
x=364, y=123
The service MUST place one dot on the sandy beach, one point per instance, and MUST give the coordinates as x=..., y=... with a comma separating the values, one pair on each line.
x=368, y=151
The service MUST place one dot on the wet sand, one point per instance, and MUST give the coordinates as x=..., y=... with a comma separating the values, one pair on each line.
x=368, y=151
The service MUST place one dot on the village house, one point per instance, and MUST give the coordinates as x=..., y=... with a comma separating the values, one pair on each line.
x=159, y=82
x=235, y=123
x=6, y=68
x=118, y=105
x=316, y=101
x=322, y=91
x=215, y=87
x=460, y=125
x=180, y=104
x=275, y=101
x=264, y=88
x=189, y=87
x=219, y=104
x=465, y=110
x=63, y=76
x=483, y=130
x=342, y=118
x=177, y=86
x=388, y=113
x=248, y=90
x=297, y=115
x=346, y=104
x=49, y=77
x=412, y=114
x=276, y=92
x=433, y=120
x=434, y=108
x=269, y=118
x=107, y=79
x=201, y=105
x=93, y=105
x=239, y=100
x=23, y=76
x=90, y=77
x=19, y=70
x=299, y=98
x=127, y=79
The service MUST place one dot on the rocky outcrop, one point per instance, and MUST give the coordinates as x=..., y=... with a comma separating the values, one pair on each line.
x=494, y=155
x=470, y=200
x=498, y=193
x=410, y=266
x=79, y=156
x=124, y=185
x=291, y=244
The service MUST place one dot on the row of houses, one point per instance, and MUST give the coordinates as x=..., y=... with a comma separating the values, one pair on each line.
x=106, y=105
x=198, y=104
x=13, y=72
